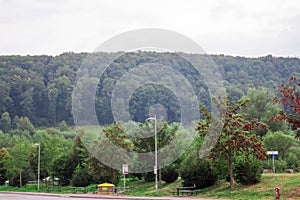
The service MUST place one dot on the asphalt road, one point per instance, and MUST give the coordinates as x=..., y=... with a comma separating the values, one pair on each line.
x=29, y=197
x=44, y=196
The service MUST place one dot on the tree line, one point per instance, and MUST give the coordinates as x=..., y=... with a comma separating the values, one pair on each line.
x=40, y=87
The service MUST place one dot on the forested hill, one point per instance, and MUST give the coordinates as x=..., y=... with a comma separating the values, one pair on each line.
x=40, y=87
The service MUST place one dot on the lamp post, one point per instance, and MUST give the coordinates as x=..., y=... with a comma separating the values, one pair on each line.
x=155, y=154
x=39, y=163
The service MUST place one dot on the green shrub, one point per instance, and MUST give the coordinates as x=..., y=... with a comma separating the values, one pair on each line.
x=63, y=168
x=169, y=174
x=135, y=176
x=247, y=172
x=69, y=134
x=63, y=126
x=3, y=176
x=81, y=177
x=149, y=177
x=221, y=169
x=31, y=187
x=195, y=171
x=14, y=179
x=92, y=188
x=280, y=165
x=53, y=131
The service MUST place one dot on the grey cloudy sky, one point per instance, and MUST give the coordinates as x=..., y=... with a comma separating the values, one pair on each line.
x=231, y=27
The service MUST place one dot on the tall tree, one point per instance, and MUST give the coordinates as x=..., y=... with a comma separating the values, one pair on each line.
x=290, y=100
x=17, y=162
x=5, y=122
x=65, y=164
x=5, y=100
x=262, y=108
x=24, y=124
x=116, y=135
x=280, y=142
x=3, y=155
x=235, y=138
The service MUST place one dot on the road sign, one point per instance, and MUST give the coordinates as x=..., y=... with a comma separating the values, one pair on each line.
x=272, y=152
x=125, y=168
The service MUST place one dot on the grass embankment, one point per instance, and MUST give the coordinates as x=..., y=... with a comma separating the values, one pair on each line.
x=289, y=185
x=289, y=188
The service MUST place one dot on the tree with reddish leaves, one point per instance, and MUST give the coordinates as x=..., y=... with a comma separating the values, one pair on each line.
x=290, y=100
x=237, y=136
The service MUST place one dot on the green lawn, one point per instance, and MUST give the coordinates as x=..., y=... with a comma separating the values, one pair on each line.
x=289, y=185
x=289, y=188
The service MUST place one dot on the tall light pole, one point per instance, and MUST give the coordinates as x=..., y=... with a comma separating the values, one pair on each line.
x=39, y=163
x=155, y=150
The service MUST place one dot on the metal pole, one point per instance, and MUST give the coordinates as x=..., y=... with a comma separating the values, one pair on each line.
x=155, y=152
x=273, y=163
x=39, y=163
x=155, y=134
x=124, y=183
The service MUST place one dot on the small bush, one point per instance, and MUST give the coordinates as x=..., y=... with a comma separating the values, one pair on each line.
x=247, y=172
x=92, y=188
x=3, y=176
x=221, y=169
x=81, y=177
x=14, y=180
x=53, y=131
x=63, y=126
x=135, y=176
x=31, y=187
x=197, y=172
x=280, y=165
x=169, y=174
x=149, y=177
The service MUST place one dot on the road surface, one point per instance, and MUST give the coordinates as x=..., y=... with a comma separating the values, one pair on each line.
x=33, y=197
x=49, y=196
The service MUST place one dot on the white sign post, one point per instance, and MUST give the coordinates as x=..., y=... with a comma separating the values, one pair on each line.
x=273, y=153
x=125, y=171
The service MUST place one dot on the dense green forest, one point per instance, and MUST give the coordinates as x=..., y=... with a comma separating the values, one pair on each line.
x=36, y=109
x=40, y=87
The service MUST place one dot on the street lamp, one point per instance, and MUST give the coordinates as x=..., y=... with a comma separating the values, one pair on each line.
x=155, y=150
x=39, y=163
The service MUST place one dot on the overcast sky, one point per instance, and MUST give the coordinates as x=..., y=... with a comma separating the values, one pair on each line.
x=230, y=27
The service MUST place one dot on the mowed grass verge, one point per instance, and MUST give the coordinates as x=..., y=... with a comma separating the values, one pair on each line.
x=289, y=185
x=289, y=188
